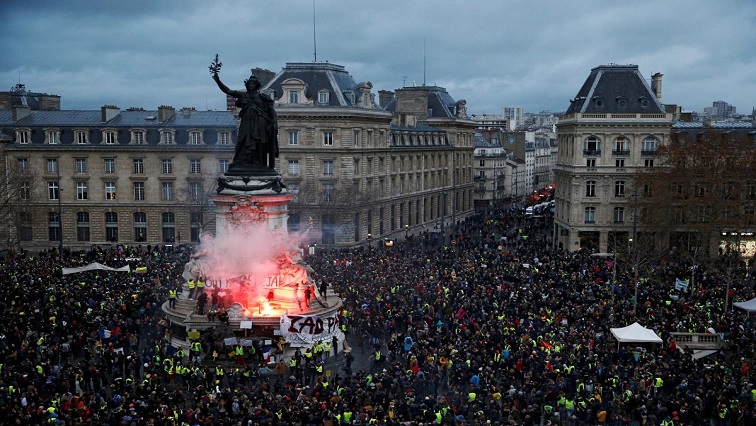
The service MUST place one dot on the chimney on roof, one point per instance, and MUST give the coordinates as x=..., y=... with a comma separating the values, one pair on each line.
x=656, y=84
x=20, y=112
x=109, y=112
x=384, y=97
x=165, y=113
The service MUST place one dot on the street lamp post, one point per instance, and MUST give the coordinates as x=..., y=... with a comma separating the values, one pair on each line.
x=406, y=232
x=370, y=240
x=60, y=222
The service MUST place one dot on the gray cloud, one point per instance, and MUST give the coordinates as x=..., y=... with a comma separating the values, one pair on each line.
x=492, y=53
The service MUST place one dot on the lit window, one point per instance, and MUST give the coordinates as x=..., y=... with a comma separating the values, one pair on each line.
x=53, y=137
x=328, y=138
x=195, y=167
x=138, y=166
x=52, y=166
x=293, y=137
x=53, y=191
x=109, y=166
x=81, y=166
x=327, y=167
x=138, y=191
x=293, y=97
x=590, y=215
x=167, y=167
x=167, y=191
x=81, y=191
x=224, y=138
x=110, y=190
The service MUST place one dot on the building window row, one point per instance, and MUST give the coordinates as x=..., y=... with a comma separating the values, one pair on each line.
x=110, y=136
x=83, y=226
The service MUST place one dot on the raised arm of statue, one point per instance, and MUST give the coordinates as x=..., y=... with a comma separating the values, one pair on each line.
x=215, y=68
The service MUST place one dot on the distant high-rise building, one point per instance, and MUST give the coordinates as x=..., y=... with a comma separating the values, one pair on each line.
x=720, y=110
x=514, y=114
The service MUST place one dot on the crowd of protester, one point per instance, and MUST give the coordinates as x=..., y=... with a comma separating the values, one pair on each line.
x=490, y=325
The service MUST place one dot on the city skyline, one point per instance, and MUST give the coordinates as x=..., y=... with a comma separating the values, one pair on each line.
x=493, y=54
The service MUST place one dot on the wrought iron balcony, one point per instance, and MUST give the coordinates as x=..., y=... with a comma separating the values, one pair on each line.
x=591, y=152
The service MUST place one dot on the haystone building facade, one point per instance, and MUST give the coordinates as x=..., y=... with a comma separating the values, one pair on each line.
x=365, y=169
x=612, y=128
x=132, y=176
x=369, y=169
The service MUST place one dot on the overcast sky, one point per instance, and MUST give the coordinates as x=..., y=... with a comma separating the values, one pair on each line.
x=493, y=53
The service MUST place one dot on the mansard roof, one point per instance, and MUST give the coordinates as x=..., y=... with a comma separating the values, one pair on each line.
x=615, y=89
x=440, y=103
x=69, y=120
x=320, y=76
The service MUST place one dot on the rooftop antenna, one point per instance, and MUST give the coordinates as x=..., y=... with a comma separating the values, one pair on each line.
x=404, y=81
x=423, y=60
x=314, y=40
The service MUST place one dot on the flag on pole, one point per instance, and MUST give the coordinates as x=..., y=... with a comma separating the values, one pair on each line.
x=681, y=284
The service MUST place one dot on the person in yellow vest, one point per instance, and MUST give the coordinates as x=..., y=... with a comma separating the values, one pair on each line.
x=172, y=296
x=200, y=286
x=239, y=352
x=192, y=287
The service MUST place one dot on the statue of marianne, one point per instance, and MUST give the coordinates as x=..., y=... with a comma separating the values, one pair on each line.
x=257, y=144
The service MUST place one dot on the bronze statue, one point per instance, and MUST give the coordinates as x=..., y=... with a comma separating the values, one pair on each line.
x=257, y=144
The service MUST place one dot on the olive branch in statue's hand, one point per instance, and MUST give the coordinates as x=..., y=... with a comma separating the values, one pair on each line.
x=215, y=66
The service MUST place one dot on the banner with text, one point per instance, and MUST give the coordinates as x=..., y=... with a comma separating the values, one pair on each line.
x=306, y=330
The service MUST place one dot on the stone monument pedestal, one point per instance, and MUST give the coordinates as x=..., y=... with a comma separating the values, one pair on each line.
x=268, y=298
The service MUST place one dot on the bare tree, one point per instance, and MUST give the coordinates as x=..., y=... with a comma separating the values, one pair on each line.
x=194, y=196
x=17, y=193
x=703, y=193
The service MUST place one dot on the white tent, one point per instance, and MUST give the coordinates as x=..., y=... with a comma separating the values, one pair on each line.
x=635, y=333
x=748, y=305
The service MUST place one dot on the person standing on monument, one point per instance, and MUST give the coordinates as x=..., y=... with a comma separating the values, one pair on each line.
x=257, y=144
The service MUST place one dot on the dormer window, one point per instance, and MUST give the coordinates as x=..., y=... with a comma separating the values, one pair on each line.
x=23, y=136
x=195, y=137
x=138, y=137
x=81, y=137
x=293, y=97
x=167, y=137
x=109, y=137
x=621, y=102
x=598, y=102
x=52, y=136
x=224, y=138
x=644, y=102
x=323, y=96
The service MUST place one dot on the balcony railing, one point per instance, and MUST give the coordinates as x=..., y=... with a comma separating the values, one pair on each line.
x=621, y=153
x=591, y=152
x=648, y=152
